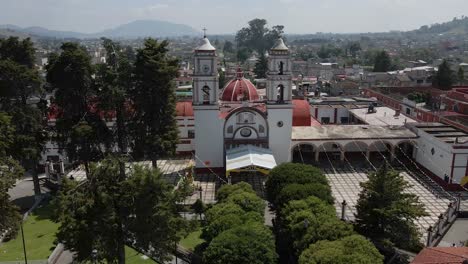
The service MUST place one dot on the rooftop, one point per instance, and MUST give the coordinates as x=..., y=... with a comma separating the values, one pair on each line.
x=443, y=132
x=384, y=116
x=346, y=132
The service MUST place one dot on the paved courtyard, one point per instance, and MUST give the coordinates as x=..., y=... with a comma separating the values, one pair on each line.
x=345, y=186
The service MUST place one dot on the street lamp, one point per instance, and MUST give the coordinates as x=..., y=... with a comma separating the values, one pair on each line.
x=94, y=255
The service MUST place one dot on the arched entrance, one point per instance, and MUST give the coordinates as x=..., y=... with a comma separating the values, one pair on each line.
x=404, y=151
x=356, y=151
x=380, y=151
x=330, y=152
x=303, y=153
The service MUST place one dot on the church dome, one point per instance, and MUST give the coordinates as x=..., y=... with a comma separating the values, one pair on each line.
x=205, y=45
x=239, y=89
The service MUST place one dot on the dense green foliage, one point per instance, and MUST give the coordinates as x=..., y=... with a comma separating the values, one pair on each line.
x=257, y=36
x=307, y=221
x=292, y=173
x=10, y=171
x=261, y=67
x=153, y=126
x=252, y=243
x=444, y=79
x=353, y=249
x=79, y=126
x=234, y=228
x=382, y=62
x=19, y=81
x=107, y=211
x=386, y=212
x=297, y=191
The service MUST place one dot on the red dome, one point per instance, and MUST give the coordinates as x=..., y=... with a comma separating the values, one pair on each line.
x=239, y=89
x=301, y=113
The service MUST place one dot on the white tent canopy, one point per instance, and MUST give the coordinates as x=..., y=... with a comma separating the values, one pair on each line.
x=248, y=156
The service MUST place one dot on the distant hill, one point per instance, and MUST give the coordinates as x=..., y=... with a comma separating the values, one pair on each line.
x=135, y=29
x=148, y=28
x=458, y=26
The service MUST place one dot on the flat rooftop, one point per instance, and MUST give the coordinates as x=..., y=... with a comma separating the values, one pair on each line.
x=445, y=133
x=383, y=116
x=344, y=132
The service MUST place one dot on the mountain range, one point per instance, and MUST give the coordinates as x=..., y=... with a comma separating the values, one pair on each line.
x=135, y=29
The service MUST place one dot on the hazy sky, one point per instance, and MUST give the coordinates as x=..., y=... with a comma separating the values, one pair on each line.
x=222, y=16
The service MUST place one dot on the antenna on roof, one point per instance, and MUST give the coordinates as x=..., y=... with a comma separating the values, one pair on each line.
x=204, y=32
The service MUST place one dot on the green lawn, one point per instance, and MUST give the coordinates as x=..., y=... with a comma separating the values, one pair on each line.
x=134, y=257
x=192, y=240
x=39, y=235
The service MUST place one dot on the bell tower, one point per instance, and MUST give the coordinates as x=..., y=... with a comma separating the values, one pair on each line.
x=209, y=138
x=279, y=100
x=279, y=75
x=205, y=76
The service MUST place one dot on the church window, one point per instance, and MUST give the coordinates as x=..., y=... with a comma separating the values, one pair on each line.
x=230, y=130
x=246, y=132
x=191, y=134
x=261, y=129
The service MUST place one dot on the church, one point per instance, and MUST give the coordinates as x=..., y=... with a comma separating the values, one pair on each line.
x=235, y=129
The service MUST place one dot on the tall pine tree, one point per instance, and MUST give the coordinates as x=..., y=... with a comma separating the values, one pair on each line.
x=386, y=211
x=444, y=78
x=154, y=127
x=261, y=66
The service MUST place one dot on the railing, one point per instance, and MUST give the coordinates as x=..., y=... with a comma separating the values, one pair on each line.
x=436, y=232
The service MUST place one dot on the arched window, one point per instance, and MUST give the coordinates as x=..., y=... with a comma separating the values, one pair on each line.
x=230, y=130
x=206, y=94
x=261, y=129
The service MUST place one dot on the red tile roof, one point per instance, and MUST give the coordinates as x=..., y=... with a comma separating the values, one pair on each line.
x=184, y=108
x=442, y=255
x=239, y=89
x=301, y=113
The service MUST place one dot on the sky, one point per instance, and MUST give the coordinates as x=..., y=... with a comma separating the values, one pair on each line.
x=222, y=16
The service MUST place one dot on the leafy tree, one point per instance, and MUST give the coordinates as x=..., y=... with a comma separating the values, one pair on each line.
x=327, y=51
x=19, y=81
x=252, y=243
x=353, y=249
x=461, y=76
x=228, y=189
x=10, y=171
x=154, y=126
x=222, y=78
x=242, y=54
x=386, y=212
x=310, y=220
x=79, y=127
x=444, y=78
x=224, y=216
x=107, y=211
x=296, y=191
x=249, y=202
x=288, y=173
x=261, y=66
x=354, y=48
x=199, y=208
x=113, y=82
x=257, y=36
x=382, y=62
x=228, y=47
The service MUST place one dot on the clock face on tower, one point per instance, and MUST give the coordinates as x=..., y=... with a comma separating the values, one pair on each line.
x=206, y=68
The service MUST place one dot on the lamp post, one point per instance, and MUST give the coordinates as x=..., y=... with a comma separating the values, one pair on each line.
x=24, y=244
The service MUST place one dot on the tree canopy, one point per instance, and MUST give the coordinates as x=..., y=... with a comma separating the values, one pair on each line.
x=288, y=173
x=386, y=211
x=444, y=79
x=10, y=171
x=353, y=249
x=106, y=212
x=257, y=36
x=154, y=128
x=382, y=62
x=261, y=66
x=251, y=243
